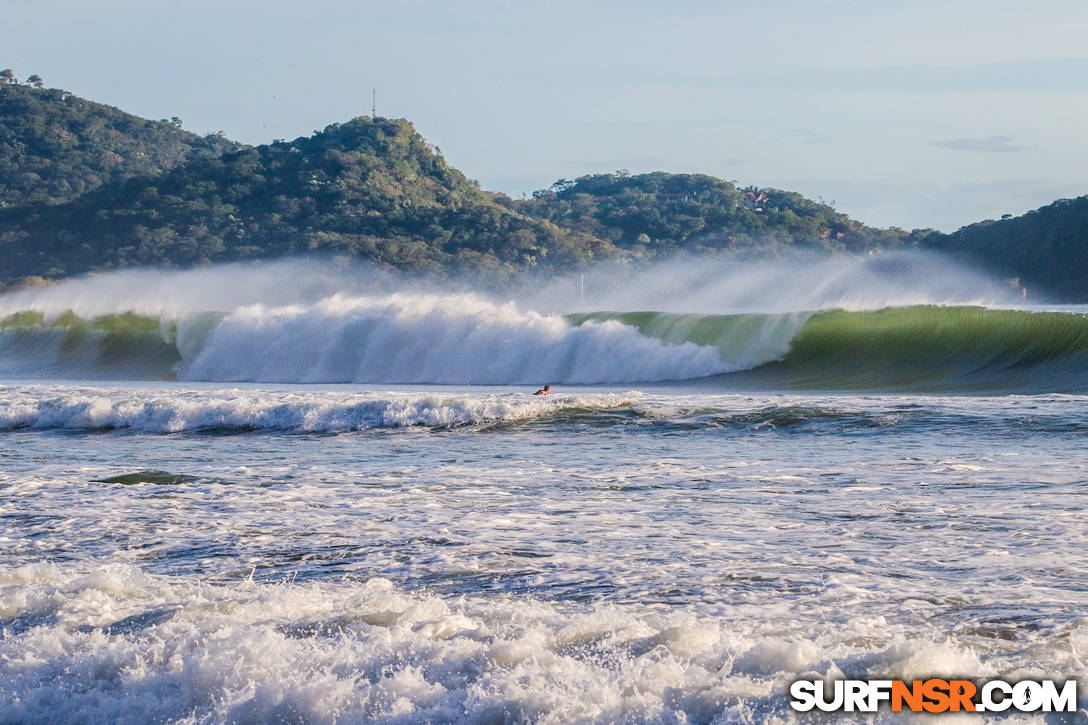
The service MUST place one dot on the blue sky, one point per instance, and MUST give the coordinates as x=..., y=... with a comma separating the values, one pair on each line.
x=919, y=114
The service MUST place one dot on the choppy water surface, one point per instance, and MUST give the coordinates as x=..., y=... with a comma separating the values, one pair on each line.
x=342, y=516
x=195, y=553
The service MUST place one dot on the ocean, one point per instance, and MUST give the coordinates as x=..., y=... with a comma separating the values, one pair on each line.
x=296, y=494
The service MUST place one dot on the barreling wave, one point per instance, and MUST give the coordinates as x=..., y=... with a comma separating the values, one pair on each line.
x=935, y=349
x=918, y=348
x=465, y=339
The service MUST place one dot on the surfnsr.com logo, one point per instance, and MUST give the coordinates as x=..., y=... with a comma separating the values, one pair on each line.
x=934, y=695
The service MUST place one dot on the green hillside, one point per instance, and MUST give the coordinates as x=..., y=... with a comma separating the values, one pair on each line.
x=369, y=188
x=1045, y=249
x=659, y=213
x=55, y=146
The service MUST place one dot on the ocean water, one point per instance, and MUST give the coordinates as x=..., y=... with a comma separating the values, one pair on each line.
x=347, y=507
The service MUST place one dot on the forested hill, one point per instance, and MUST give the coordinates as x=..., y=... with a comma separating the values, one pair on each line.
x=369, y=187
x=85, y=187
x=660, y=213
x=55, y=146
x=1045, y=249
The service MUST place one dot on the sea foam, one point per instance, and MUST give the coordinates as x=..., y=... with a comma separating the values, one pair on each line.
x=158, y=411
x=115, y=644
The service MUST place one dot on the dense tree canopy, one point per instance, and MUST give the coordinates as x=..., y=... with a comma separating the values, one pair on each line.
x=1045, y=251
x=371, y=188
x=55, y=146
x=660, y=213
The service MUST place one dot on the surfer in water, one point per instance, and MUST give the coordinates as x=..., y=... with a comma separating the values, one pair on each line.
x=546, y=390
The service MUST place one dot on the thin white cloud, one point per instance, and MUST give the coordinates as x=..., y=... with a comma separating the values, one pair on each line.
x=990, y=144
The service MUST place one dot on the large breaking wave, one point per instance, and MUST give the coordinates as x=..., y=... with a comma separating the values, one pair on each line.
x=468, y=340
x=856, y=333
x=458, y=339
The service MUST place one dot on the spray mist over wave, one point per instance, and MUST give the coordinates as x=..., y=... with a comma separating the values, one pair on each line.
x=799, y=283
x=311, y=322
x=175, y=294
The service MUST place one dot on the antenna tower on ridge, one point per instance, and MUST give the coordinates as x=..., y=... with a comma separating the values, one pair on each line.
x=374, y=103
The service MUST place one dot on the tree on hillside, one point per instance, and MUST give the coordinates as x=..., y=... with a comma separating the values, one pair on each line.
x=7, y=76
x=35, y=80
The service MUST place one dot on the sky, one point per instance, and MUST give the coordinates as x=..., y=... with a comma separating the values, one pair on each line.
x=912, y=114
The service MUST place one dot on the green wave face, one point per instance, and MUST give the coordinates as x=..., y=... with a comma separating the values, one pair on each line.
x=744, y=341
x=712, y=330
x=939, y=348
x=117, y=346
x=909, y=349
